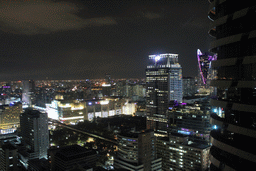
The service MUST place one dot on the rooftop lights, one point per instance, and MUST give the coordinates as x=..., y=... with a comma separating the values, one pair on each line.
x=157, y=58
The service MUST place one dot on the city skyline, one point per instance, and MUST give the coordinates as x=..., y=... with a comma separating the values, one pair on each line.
x=78, y=40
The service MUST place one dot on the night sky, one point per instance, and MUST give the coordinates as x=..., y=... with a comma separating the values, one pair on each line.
x=86, y=39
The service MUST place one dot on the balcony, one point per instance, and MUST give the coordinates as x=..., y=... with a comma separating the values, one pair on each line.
x=244, y=107
x=212, y=32
x=225, y=41
x=226, y=161
x=218, y=103
x=246, y=130
x=211, y=13
x=244, y=149
x=216, y=120
x=221, y=83
x=224, y=62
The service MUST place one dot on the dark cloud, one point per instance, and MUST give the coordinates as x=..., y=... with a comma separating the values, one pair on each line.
x=85, y=39
x=44, y=16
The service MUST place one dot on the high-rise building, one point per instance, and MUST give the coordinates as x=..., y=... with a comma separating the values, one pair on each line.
x=204, y=63
x=234, y=109
x=28, y=92
x=136, y=151
x=189, y=87
x=34, y=132
x=107, y=78
x=164, y=83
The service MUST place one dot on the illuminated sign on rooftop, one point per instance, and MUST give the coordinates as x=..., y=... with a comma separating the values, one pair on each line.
x=106, y=85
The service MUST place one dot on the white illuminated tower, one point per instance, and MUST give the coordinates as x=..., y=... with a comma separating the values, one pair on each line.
x=164, y=83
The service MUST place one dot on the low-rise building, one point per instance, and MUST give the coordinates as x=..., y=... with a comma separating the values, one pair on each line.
x=10, y=117
x=71, y=157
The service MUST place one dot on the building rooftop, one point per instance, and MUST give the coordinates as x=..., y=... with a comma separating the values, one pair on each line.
x=73, y=152
x=199, y=145
x=32, y=113
x=178, y=134
x=134, y=134
x=9, y=146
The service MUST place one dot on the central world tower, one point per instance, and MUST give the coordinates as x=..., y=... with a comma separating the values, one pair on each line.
x=164, y=83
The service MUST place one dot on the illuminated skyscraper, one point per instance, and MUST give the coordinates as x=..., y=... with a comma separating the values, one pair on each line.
x=164, y=83
x=233, y=136
x=204, y=63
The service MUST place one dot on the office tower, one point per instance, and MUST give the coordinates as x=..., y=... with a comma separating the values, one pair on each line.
x=234, y=109
x=72, y=157
x=34, y=132
x=28, y=92
x=10, y=117
x=8, y=157
x=164, y=83
x=107, y=78
x=189, y=87
x=136, y=151
x=178, y=153
x=204, y=63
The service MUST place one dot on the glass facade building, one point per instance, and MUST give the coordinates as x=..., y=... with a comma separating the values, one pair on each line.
x=164, y=83
x=234, y=121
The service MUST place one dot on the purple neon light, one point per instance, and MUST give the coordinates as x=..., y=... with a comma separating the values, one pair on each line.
x=199, y=53
x=210, y=58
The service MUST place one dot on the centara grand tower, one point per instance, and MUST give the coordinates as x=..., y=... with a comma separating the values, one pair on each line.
x=206, y=73
x=164, y=83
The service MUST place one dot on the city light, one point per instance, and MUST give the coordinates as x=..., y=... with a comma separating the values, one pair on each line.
x=157, y=58
x=214, y=127
x=105, y=102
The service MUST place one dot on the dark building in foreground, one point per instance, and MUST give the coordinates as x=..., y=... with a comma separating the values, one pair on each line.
x=72, y=157
x=234, y=109
x=35, y=136
x=8, y=157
